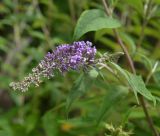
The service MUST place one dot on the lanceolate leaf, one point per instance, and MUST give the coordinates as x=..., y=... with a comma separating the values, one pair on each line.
x=93, y=20
x=136, y=4
x=138, y=85
x=115, y=94
x=126, y=116
x=129, y=42
x=81, y=85
x=135, y=82
x=49, y=122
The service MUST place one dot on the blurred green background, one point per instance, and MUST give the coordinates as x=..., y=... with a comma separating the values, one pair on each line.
x=31, y=28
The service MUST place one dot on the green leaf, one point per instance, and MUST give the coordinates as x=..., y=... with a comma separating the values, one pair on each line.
x=157, y=77
x=138, y=85
x=146, y=61
x=157, y=98
x=93, y=20
x=126, y=116
x=101, y=33
x=5, y=128
x=50, y=124
x=31, y=121
x=3, y=43
x=37, y=34
x=109, y=43
x=120, y=71
x=123, y=75
x=115, y=94
x=136, y=4
x=135, y=82
x=129, y=42
x=81, y=85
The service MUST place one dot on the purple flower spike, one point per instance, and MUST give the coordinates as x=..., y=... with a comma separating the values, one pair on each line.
x=79, y=55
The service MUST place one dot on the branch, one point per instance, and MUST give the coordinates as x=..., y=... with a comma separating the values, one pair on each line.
x=130, y=61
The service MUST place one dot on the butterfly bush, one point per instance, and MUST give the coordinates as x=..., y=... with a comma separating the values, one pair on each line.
x=77, y=56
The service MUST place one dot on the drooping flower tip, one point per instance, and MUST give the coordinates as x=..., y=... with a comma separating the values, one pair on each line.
x=79, y=55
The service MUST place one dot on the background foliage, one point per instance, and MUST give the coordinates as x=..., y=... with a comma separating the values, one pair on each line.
x=31, y=28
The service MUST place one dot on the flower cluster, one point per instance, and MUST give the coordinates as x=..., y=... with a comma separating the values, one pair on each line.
x=79, y=55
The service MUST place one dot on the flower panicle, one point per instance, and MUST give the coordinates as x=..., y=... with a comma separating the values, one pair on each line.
x=79, y=55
